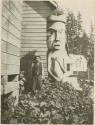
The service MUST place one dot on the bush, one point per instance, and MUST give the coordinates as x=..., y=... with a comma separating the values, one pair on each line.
x=56, y=103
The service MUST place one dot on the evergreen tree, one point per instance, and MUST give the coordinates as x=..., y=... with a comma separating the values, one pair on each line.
x=91, y=48
x=84, y=42
x=71, y=27
x=79, y=24
x=92, y=34
x=79, y=35
x=76, y=38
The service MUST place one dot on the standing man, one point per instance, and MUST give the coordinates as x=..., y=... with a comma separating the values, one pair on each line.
x=37, y=73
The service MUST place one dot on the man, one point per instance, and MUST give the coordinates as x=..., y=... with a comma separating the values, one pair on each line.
x=37, y=73
x=58, y=51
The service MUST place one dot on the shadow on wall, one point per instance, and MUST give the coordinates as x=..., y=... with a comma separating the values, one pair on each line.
x=25, y=65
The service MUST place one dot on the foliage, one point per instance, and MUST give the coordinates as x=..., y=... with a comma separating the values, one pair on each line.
x=78, y=40
x=84, y=44
x=79, y=24
x=7, y=108
x=76, y=37
x=91, y=48
x=56, y=103
x=71, y=30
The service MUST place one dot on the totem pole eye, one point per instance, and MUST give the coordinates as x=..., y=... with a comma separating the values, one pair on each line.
x=50, y=32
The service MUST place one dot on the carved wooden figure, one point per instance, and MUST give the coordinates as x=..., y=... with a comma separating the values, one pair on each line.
x=58, y=52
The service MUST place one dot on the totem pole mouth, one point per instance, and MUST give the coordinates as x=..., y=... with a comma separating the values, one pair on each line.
x=57, y=45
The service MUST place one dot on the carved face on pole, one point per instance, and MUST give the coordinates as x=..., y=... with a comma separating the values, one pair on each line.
x=57, y=53
x=56, y=36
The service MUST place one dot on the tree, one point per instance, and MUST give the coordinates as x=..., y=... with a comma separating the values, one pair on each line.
x=91, y=42
x=79, y=24
x=77, y=38
x=79, y=35
x=84, y=44
x=71, y=27
x=91, y=48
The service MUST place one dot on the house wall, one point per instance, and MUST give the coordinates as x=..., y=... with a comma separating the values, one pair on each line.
x=78, y=63
x=10, y=42
x=34, y=28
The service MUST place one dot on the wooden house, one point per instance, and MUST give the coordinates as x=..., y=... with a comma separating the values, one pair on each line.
x=34, y=31
x=24, y=27
x=77, y=63
x=10, y=44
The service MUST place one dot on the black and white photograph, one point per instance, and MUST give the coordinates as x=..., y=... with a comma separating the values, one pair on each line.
x=47, y=61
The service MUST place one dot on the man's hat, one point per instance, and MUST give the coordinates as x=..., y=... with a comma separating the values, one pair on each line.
x=36, y=54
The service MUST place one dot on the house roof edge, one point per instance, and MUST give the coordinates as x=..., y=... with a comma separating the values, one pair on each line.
x=53, y=3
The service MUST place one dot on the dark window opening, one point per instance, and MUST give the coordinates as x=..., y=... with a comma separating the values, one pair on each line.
x=12, y=78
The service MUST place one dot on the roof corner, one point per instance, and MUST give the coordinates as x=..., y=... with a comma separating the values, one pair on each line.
x=53, y=3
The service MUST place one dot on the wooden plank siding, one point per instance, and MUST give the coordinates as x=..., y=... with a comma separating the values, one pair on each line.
x=10, y=43
x=34, y=29
x=11, y=36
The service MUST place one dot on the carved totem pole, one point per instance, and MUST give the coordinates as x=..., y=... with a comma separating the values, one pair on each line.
x=58, y=51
